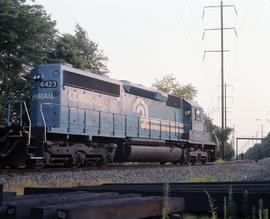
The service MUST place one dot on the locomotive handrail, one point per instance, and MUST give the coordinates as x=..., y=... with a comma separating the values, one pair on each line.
x=30, y=123
x=27, y=114
x=140, y=118
x=43, y=119
x=163, y=120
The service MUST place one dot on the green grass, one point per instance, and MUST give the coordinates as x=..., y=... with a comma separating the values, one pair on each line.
x=192, y=177
x=196, y=216
x=18, y=187
x=202, y=179
x=219, y=161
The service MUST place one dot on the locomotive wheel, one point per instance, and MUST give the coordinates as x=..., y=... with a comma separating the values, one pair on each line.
x=68, y=162
x=80, y=159
x=102, y=162
x=38, y=164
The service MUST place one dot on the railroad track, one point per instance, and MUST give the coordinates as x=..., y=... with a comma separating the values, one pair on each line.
x=122, y=201
x=109, y=167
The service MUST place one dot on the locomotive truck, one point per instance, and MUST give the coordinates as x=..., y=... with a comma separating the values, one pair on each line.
x=78, y=118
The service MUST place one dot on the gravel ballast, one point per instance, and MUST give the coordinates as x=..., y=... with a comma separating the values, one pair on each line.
x=254, y=171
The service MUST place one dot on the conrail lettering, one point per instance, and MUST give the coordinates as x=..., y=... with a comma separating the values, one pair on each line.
x=86, y=99
x=43, y=96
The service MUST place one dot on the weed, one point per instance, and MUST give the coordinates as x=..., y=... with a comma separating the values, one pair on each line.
x=212, y=206
x=190, y=172
x=253, y=212
x=245, y=203
x=231, y=205
x=228, y=176
x=260, y=208
x=265, y=214
x=165, y=200
x=192, y=178
x=225, y=207
x=195, y=216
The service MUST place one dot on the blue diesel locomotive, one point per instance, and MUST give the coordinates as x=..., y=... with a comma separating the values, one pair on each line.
x=80, y=118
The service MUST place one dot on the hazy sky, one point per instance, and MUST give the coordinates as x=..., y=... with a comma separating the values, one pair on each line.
x=146, y=39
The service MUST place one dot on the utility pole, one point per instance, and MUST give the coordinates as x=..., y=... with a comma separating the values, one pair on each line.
x=222, y=79
x=261, y=120
x=225, y=103
x=221, y=6
x=233, y=140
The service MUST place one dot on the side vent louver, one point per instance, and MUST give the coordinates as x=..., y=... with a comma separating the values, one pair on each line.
x=89, y=83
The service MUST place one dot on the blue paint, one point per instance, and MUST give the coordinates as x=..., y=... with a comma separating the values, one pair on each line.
x=71, y=109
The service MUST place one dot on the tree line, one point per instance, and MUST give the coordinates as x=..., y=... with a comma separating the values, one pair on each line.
x=259, y=151
x=28, y=37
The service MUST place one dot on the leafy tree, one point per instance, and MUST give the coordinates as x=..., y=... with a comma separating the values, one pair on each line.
x=26, y=37
x=259, y=151
x=79, y=51
x=66, y=51
x=217, y=131
x=93, y=58
x=168, y=84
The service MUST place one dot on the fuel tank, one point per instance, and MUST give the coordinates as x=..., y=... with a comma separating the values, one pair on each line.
x=144, y=153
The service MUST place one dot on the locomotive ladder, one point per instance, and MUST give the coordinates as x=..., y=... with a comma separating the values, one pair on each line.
x=22, y=105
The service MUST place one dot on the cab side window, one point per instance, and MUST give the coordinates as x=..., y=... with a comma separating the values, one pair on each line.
x=197, y=114
x=187, y=111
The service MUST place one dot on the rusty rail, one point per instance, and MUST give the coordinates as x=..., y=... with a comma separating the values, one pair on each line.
x=194, y=194
x=123, y=201
x=75, y=204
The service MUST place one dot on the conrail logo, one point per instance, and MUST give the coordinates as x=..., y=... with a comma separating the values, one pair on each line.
x=141, y=108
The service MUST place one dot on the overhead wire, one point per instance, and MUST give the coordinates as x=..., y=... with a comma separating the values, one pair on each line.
x=186, y=29
x=213, y=110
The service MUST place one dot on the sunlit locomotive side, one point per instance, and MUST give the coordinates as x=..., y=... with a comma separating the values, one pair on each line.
x=80, y=118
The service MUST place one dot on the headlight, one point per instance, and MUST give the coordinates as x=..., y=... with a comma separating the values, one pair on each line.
x=37, y=77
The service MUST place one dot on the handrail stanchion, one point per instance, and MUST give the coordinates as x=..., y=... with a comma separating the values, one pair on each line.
x=99, y=121
x=170, y=130
x=113, y=124
x=8, y=113
x=20, y=113
x=125, y=125
x=138, y=127
x=68, y=129
x=84, y=121
x=30, y=123
x=149, y=128
x=44, y=122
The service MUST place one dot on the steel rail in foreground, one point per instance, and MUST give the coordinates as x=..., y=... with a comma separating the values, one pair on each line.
x=124, y=201
x=195, y=196
x=91, y=205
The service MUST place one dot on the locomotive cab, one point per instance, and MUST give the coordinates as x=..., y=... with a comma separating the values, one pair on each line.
x=194, y=128
x=196, y=134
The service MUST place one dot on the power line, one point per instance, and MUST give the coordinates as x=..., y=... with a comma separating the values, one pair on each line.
x=186, y=28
